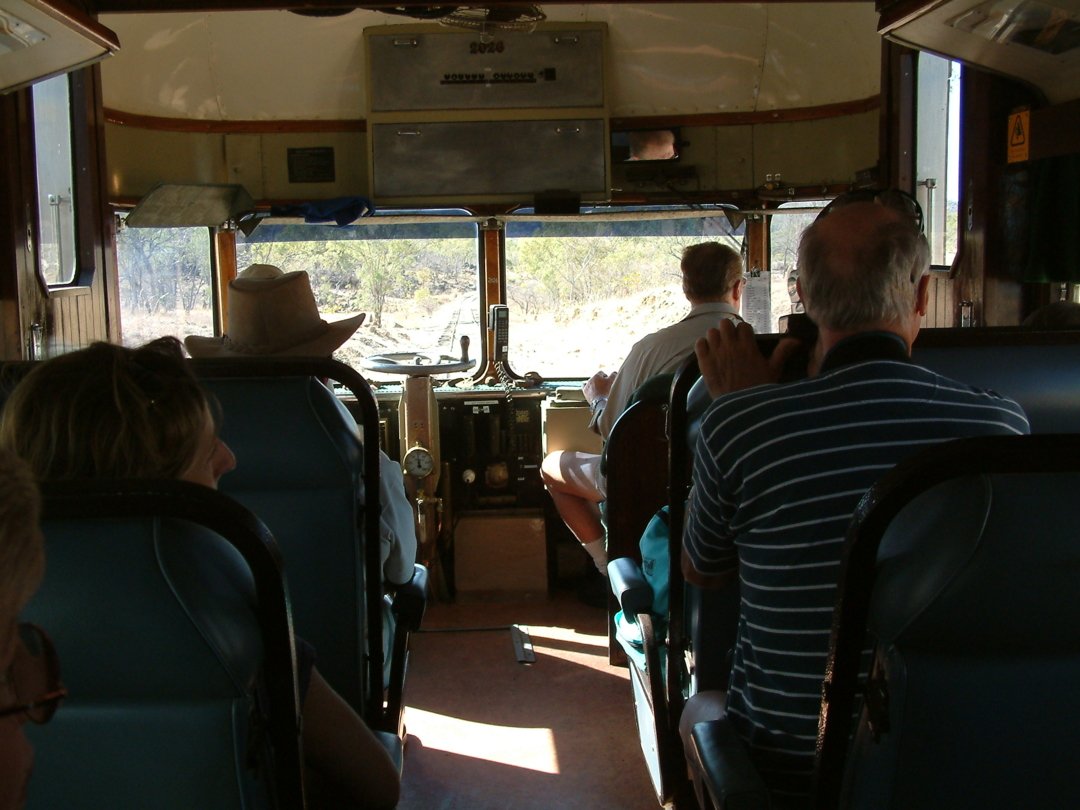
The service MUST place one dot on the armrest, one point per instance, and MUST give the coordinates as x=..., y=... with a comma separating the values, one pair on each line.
x=408, y=606
x=629, y=586
x=410, y=599
x=721, y=763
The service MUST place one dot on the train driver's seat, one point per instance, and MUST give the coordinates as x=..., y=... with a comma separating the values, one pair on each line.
x=961, y=564
x=169, y=611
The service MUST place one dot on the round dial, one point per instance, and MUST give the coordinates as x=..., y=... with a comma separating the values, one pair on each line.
x=418, y=462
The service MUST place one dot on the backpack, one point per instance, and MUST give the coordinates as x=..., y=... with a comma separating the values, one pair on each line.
x=656, y=568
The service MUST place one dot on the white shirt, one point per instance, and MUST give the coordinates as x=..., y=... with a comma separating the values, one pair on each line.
x=660, y=353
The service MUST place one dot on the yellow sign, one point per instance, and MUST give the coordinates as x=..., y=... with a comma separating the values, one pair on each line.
x=1019, y=136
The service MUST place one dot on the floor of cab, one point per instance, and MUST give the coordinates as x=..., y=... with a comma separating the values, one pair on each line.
x=486, y=732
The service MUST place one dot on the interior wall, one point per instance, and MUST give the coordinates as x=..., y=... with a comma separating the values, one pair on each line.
x=734, y=157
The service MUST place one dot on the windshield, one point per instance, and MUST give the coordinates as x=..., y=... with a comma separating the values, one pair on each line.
x=417, y=281
x=583, y=291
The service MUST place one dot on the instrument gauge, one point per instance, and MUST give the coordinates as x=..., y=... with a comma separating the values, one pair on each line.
x=418, y=462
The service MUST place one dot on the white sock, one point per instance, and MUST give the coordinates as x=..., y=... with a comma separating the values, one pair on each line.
x=598, y=553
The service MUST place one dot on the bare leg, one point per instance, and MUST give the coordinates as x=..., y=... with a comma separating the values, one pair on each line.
x=570, y=478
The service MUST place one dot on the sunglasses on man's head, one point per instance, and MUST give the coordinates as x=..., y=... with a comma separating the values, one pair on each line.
x=34, y=677
x=893, y=198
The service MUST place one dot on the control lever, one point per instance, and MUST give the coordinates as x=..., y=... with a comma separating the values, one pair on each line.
x=464, y=348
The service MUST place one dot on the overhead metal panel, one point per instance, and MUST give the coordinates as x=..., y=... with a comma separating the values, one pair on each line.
x=479, y=161
x=410, y=69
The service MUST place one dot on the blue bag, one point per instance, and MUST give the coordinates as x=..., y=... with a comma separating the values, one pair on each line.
x=656, y=568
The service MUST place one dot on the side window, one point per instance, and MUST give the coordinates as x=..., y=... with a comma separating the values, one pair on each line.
x=55, y=205
x=165, y=283
x=937, y=153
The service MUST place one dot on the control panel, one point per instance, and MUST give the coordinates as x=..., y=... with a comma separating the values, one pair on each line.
x=493, y=446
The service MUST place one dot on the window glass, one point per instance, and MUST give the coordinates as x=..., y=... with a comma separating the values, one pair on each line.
x=937, y=154
x=786, y=225
x=583, y=291
x=52, y=153
x=415, y=279
x=165, y=283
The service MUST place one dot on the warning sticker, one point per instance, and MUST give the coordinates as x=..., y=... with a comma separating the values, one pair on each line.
x=1019, y=136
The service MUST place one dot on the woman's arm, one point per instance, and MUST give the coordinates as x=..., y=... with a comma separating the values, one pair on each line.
x=341, y=749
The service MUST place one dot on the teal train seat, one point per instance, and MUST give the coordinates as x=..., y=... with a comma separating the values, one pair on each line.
x=169, y=611
x=960, y=571
x=303, y=468
x=1040, y=370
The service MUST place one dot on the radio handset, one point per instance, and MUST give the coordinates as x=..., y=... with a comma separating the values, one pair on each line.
x=499, y=323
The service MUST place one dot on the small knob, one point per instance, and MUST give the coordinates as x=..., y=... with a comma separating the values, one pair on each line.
x=464, y=348
x=468, y=476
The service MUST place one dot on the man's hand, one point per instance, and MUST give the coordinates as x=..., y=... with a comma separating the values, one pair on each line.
x=598, y=386
x=730, y=360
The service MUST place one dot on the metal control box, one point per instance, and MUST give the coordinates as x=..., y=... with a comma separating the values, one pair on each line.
x=456, y=118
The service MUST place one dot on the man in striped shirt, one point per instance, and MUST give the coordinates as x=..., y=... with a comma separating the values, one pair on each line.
x=779, y=469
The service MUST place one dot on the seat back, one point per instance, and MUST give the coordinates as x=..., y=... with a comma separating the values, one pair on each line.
x=635, y=462
x=709, y=617
x=302, y=467
x=972, y=555
x=1040, y=370
x=169, y=611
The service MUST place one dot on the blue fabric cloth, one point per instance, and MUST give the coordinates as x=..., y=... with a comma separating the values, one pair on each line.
x=340, y=210
x=656, y=568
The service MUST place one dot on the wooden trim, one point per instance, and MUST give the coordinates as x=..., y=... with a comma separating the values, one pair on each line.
x=344, y=6
x=893, y=15
x=161, y=124
x=898, y=117
x=75, y=19
x=1053, y=130
x=787, y=116
x=223, y=267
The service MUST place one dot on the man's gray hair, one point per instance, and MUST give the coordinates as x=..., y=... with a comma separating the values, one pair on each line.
x=872, y=281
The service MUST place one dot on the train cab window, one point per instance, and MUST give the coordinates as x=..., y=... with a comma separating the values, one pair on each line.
x=583, y=290
x=415, y=276
x=53, y=158
x=937, y=153
x=165, y=283
x=786, y=225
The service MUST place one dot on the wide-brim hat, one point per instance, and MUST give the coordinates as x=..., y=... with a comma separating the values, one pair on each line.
x=274, y=313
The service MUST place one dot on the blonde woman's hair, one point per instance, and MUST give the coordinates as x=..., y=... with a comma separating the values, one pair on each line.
x=21, y=547
x=108, y=412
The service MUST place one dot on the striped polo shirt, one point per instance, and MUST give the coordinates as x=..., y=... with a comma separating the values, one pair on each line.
x=778, y=472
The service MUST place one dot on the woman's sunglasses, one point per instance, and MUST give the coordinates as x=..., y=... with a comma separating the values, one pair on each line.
x=34, y=677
